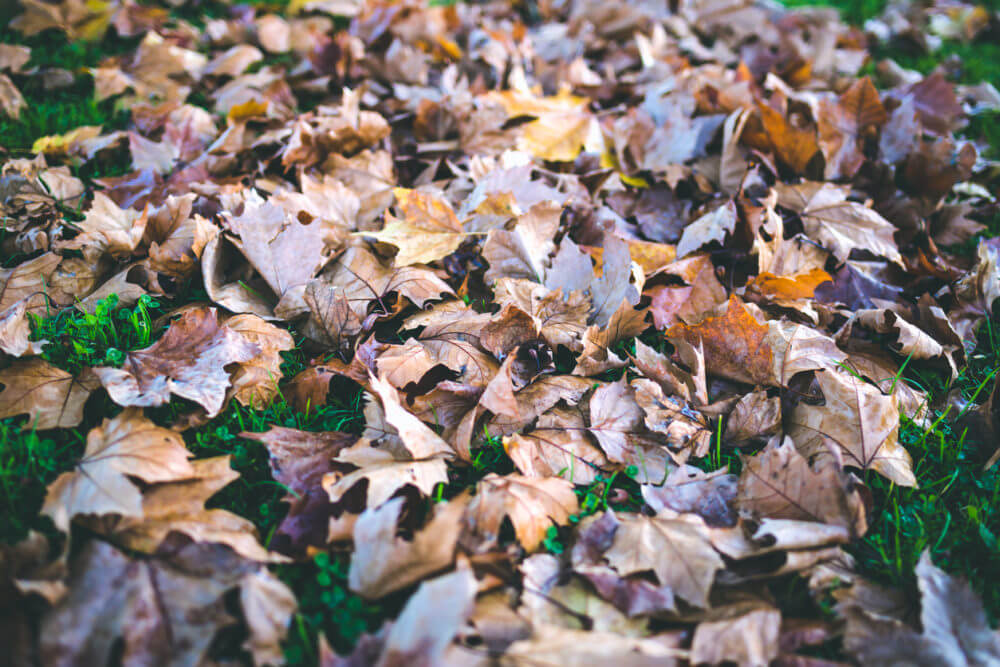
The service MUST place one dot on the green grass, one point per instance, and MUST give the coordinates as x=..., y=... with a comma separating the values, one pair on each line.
x=50, y=112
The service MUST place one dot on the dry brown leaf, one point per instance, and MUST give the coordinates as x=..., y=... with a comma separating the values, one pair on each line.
x=179, y=506
x=617, y=421
x=255, y=382
x=857, y=425
x=127, y=446
x=268, y=605
x=844, y=124
x=739, y=347
x=144, y=611
x=955, y=628
x=299, y=460
x=558, y=446
x=675, y=547
x=840, y=225
x=532, y=505
x=523, y=252
x=285, y=252
x=189, y=361
x=748, y=640
x=779, y=483
x=427, y=231
x=51, y=397
x=383, y=474
x=384, y=563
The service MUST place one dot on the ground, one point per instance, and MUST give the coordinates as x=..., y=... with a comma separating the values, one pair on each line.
x=953, y=512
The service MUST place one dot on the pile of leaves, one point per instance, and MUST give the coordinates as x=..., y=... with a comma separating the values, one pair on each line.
x=631, y=296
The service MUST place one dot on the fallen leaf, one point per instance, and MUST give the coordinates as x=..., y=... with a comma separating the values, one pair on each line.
x=51, y=397
x=188, y=361
x=779, y=483
x=858, y=425
x=128, y=445
x=384, y=563
x=532, y=505
x=675, y=547
x=427, y=231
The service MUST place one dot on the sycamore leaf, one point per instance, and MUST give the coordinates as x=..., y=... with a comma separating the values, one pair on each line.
x=255, y=382
x=143, y=611
x=299, y=460
x=779, y=483
x=739, y=347
x=838, y=224
x=617, y=421
x=50, y=396
x=189, y=361
x=427, y=231
x=532, y=504
x=523, y=251
x=127, y=446
x=384, y=563
x=675, y=547
x=268, y=605
x=858, y=425
x=179, y=506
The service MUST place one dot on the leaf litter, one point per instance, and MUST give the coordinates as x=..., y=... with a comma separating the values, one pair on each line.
x=569, y=253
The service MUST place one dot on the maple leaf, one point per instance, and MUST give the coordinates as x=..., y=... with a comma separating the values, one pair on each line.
x=675, y=547
x=285, y=252
x=955, y=627
x=177, y=595
x=857, y=422
x=779, y=483
x=739, y=347
x=523, y=251
x=383, y=474
x=532, y=504
x=427, y=231
x=188, y=361
x=842, y=125
x=557, y=447
x=299, y=460
x=384, y=563
x=28, y=280
x=839, y=224
x=617, y=421
x=179, y=506
x=50, y=396
x=127, y=446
